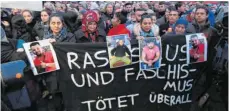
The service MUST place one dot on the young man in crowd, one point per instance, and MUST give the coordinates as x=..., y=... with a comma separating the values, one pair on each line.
x=138, y=14
x=173, y=17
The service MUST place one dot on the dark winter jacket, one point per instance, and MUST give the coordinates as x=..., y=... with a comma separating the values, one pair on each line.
x=20, y=29
x=81, y=37
x=120, y=51
x=8, y=52
x=70, y=19
x=64, y=36
x=206, y=29
x=39, y=30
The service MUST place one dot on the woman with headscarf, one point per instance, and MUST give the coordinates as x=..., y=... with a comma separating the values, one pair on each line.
x=90, y=31
x=42, y=26
x=57, y=31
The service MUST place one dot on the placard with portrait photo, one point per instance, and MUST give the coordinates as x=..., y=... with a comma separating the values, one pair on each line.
x=42, y=56
x=150, y=53
x=196, y=48
x=119, y=50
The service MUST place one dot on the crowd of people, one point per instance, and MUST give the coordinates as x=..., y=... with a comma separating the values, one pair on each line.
x=84, y=21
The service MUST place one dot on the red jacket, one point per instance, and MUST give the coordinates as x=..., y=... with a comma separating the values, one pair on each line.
x=120, y=29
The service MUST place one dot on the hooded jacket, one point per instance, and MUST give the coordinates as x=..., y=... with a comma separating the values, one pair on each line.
x=70, y=19
x=20, y=30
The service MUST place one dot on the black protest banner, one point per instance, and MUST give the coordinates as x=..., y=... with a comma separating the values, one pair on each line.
x=88, y=84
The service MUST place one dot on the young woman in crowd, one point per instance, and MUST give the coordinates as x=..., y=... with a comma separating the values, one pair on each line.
x=57, y=30
x=90, y=31
x=42, y=26
x=144, y=29
x=30, y=21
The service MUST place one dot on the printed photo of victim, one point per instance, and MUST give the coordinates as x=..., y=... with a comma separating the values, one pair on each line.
x=42, y=57
x=119, y=50
x=196, y=48
x=150, y=53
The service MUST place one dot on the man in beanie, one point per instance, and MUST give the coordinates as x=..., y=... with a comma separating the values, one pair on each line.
x=180, y=26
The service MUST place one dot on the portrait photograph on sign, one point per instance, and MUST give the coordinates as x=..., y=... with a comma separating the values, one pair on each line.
x=150, y=53
x=42, y=56
x=119, y=50
x=196, y=48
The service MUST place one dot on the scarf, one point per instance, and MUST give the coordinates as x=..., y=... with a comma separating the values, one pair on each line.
x=89, y=16
x=61, y=36
x=147, y=34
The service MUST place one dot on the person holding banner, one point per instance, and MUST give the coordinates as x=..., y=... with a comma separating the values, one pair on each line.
x=119, y=53
x=145, y=28
x=58, y=31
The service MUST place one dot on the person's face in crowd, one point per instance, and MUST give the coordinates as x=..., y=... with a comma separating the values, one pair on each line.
x=146, y=24
x=128, y=8
x=58, y=9
x=115, y=21
x=154, y=19
x=37, y=50
x=133, y=17
x=182, y=8
x=145, y=6
x=109, y=9
x=81, y=8
x=173, y=16
x=15, y=11
x=91, y=26
x=44, y=16
x=201, y=15
x=27, y=16
x=156, y=6
x=63, y=8
x=180, y=29
x=161, y=8
x=150, y=45
x=56, y=25
x=138, y=15
x=137, y=6
x=167, y=14
x=195, y=41
x=120, y=42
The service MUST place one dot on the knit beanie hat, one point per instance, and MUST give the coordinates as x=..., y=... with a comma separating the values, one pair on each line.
x=182, y=21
